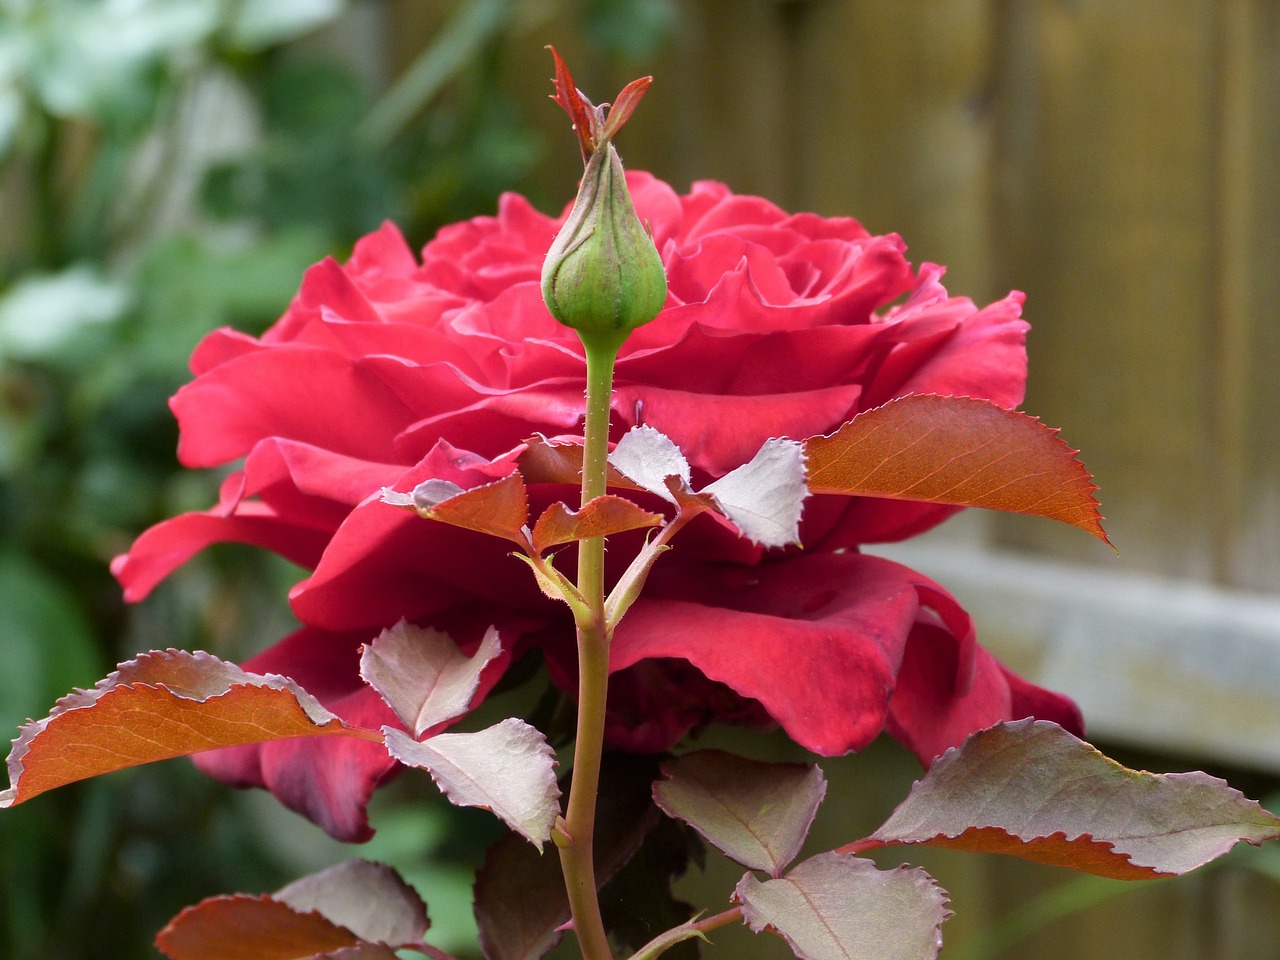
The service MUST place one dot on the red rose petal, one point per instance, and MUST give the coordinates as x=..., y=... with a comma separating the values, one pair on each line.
x=817, y=640
x=166, y=546
x=303, y=393
x=384, y=564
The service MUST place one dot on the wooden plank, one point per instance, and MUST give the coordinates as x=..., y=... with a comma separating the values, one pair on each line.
x=1176, y=668
x=894, y=125
x=1105, y=200
x=715, y=110
x=1248, y=294
x=1115, y=160
x=719, y=106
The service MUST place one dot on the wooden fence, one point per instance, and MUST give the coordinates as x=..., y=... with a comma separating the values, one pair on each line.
x=1118, y=160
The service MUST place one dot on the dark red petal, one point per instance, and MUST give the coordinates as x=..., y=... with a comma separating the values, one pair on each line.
x=959, y=351
x=718, y=432
x=220, y=346
x=381, y=255
x=834, y=648
x=930, y=714
x=1029, y=700
x=385, y=563
x=305, y=492
x=166, y=546
x=326, y=288
x=817, y=640
x=299, y=480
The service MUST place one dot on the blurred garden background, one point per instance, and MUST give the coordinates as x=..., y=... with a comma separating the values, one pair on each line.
x=170, y=166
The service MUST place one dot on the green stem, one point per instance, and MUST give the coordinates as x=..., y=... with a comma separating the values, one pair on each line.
x=601, y=354
x=576, y=858
x=686, y=931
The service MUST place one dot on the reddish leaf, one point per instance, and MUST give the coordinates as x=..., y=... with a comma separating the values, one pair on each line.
x=163, y=704
x=580, y=110
x=960, y=451
x=639, y=899
x=241, y=927
x=601, y=517
x=757, y=813
x=648, y=458
x=837, y=906
x=624, y=104
x=762, y=498
x=500, y=508
x=508, y=769
x=1032, y=790
x=520, y=903
x=546, y=461
x=592, y=133
x=354, y=911
x=423, y=675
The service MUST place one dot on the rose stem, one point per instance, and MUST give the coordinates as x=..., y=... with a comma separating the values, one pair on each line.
x=576, y=857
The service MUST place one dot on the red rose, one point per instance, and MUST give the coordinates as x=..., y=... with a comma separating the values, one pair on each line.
x=388, y=372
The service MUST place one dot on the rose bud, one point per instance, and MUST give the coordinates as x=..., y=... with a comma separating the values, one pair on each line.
x=602, y=275
x=603, y=272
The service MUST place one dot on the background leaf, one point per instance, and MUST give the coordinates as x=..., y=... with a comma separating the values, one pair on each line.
x=423, y=675
x=837, y=906
x=960, y=451
x=1032, y=790
x=756, y=813
x=241, y=927
x=354, y=911
x=163, y=704
x=508, y=768
x=638, y=901
x=49, y=643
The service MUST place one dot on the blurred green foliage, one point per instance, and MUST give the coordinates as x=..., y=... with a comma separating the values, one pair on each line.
x=167, y=167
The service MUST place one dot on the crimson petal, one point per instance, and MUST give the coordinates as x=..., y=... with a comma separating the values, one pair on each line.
x=827, y=645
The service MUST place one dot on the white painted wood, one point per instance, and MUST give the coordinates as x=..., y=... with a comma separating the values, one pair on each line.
x=1177, y=667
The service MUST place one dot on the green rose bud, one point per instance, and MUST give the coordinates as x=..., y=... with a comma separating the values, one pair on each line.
x=603, y=273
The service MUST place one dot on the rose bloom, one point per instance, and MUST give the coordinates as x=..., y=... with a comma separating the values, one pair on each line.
x=387, y=371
